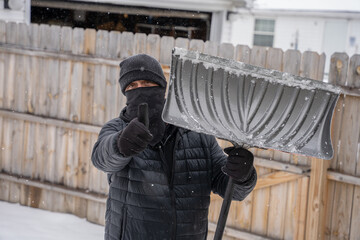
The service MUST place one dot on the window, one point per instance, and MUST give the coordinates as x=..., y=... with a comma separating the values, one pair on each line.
x=264, y=32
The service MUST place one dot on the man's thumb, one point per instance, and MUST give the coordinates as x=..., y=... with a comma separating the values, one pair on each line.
x=143, y=114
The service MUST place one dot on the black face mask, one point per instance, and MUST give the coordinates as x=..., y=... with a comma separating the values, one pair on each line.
x=155, y=98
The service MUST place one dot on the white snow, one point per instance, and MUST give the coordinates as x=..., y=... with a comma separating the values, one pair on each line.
x=19, y=222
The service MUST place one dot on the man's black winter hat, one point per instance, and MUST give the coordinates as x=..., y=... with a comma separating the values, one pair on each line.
x=140, y=67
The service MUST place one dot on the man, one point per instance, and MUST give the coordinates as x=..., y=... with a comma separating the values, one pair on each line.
x=161, y=176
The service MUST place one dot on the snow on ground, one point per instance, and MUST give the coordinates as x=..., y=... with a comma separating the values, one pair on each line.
x=19, y=222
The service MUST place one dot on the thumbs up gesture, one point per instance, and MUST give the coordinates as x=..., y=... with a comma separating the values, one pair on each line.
x=136, y=136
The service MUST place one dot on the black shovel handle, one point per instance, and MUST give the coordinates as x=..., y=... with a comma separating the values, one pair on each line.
x=226, y=203
x=143, y=114
x=224, y=210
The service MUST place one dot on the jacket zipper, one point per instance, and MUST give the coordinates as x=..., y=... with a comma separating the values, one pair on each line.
x=171, y=185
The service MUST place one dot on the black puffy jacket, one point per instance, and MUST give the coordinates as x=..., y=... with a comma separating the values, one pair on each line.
x=146, y=201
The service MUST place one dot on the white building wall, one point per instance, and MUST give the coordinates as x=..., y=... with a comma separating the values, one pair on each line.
x=20, y=11
x=226, y=32
x=314, y=33
x=242, y=29
x=308, y=30
x=353, y=38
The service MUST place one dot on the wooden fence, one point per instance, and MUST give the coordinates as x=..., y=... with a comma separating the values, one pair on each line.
x=58, y=85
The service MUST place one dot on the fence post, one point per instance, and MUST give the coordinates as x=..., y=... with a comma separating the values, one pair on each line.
x=316, y=210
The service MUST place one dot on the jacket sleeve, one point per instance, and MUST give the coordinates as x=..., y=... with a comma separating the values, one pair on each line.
x=220, y=179
x=105, y=154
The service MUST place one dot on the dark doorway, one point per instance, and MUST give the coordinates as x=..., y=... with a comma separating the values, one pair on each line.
x=164, y=22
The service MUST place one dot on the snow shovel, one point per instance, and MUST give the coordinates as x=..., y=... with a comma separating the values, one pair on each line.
x=249, y=106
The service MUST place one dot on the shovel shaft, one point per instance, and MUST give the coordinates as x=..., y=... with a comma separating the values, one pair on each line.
x=224, y=210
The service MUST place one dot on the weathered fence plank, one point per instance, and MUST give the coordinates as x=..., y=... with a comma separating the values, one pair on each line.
x=167, y=44
x=196, y=45
x=53, y=73
x=310, y=65
x=276, y=222
x=140, y=43
x=182, y=43
x=260, y=211
x=153, y=46
x=6, y=145
x=65, y=68
x=315, y=224
x=127, y=40
x=302, y=195
x=34, y=71
x=72, y=163
x=17, y=149
x=60, y=154
x=102, y=44
x=211, y=48
x=11, y=33
x=10, y=64
x=100, y=71
x=40, y=146
x=291, y=64
x=258, y=56
x=35, y=36
x=2, y=31
x=111, y=93
x=14, y=192
x=226, y=50
x=49, y=164
x=2, y=145
x=112, y=97
x=42, y=86
x=76, y=76
x=242, y=53
x=83, y=167
x=291, y=203
x=274, y=59
x=2, y=79
x=338, y=68
x=4, y=190
x=354, y=72
x=87, y=81
x=292, y=61
x=24, y=35
x=94, y=179
x=322, y=60
x=355, y=216
x=110, y=90
x=52, y=202
x=22, y=69
x=114, y=44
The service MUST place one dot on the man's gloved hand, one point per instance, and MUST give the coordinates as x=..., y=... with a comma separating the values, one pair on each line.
x=136, y=136
x=239, y=164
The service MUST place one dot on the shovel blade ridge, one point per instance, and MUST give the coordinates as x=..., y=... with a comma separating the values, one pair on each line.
x=250, y=105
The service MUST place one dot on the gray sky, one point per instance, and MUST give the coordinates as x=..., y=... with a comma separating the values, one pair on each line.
x=341, y=5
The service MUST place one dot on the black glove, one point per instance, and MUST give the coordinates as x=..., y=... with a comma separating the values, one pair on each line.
x=239, y=164
x=136, y=136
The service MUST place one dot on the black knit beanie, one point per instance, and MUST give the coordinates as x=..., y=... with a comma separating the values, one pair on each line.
x=140, y=67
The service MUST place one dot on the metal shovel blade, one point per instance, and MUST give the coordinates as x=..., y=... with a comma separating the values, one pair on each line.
x=250, y=105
